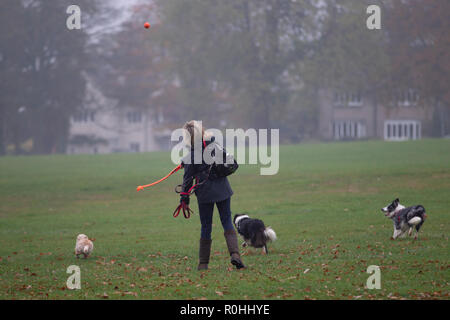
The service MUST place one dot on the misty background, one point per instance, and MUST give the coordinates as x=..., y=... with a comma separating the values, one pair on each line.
x=310, y=68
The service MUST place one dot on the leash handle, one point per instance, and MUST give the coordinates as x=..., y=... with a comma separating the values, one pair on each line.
x=186, y=210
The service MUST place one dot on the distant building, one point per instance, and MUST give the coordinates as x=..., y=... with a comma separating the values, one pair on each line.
x=351, y=116
x=103, y=127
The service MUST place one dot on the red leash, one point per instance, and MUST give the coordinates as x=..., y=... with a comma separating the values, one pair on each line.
x=182, y=206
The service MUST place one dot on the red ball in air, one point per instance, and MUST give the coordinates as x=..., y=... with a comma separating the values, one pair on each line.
x=147, y=25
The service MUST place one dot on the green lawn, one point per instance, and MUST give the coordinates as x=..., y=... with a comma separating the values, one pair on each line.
x=324, y=205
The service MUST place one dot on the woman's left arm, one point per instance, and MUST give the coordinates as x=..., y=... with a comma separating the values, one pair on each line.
x=188, y=179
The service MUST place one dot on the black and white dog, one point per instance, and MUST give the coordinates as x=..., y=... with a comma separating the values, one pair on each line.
x=405, y=219
x=254, y=232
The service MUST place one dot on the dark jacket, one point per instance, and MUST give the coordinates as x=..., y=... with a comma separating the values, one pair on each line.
x=210, y=188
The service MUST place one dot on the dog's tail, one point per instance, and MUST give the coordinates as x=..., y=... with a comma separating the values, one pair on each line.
x=270, y=234
x=415, y=221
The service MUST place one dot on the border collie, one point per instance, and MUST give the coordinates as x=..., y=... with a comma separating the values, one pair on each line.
x=405, y=219
x=254, y=232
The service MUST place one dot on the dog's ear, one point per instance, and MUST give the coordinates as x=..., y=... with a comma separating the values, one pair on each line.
x=397, y=200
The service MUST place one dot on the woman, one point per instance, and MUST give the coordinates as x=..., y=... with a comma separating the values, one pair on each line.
x=209, y=190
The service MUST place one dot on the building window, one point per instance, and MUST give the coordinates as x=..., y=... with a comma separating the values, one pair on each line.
x=400, y=130
x=84, y=116
x=135, y=147
x=407, y=98
x=348, y=99
x=134, y=116
x=348, y=130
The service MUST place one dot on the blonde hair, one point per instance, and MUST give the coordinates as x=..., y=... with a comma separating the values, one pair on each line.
x=193, y=130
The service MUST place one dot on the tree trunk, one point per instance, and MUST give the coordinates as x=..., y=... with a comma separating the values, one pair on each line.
x=2, y=131
x=443, y=116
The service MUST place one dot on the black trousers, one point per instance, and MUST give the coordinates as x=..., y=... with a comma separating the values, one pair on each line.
x=206, y=216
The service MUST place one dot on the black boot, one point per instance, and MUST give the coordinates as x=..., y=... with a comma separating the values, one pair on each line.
x=233, y=248
x=204, y=253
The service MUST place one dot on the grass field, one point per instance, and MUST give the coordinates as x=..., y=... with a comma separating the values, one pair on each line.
x=324, y=205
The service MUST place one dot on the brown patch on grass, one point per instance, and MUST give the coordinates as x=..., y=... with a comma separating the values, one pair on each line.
x=441, y=175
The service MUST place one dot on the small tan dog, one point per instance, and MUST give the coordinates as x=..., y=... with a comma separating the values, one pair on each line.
x=83, y=246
